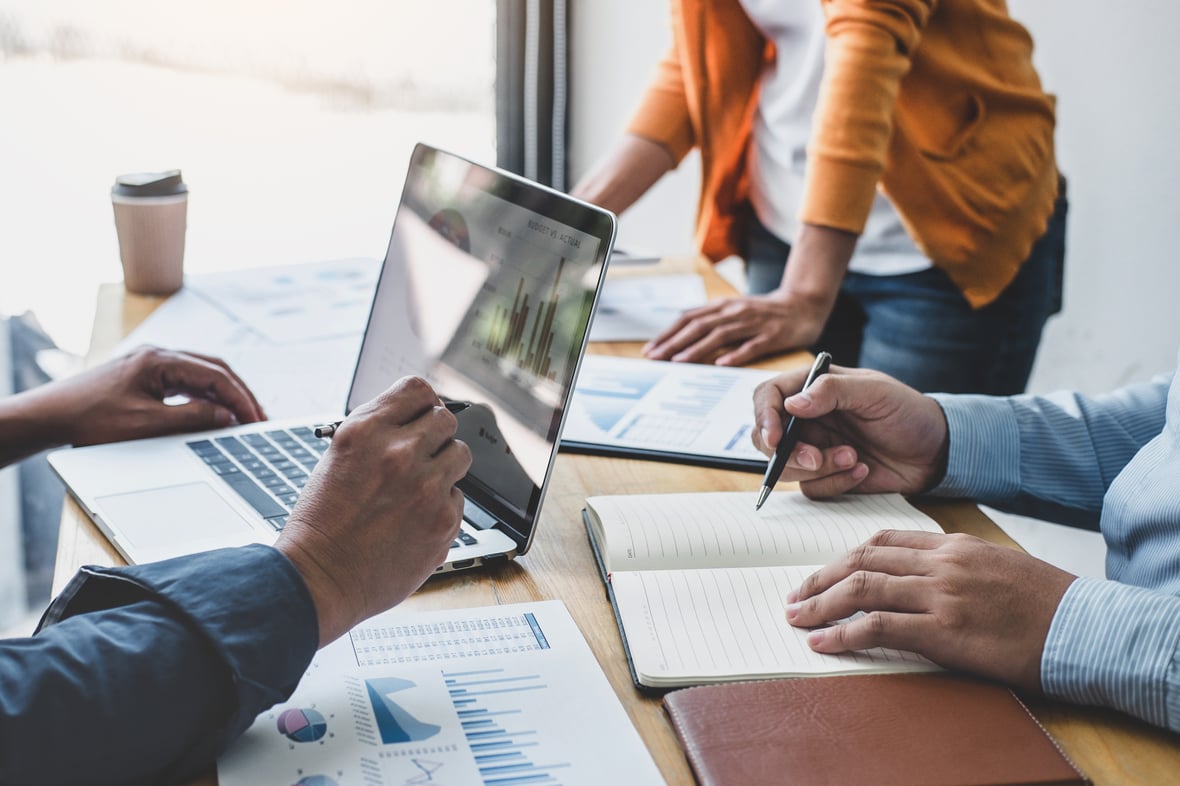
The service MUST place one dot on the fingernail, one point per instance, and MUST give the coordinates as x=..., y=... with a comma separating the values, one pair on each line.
x=793, y=611
x=845, y=458
x=765, y=436
x=799, y=401
x=222, y=417
x=861, y=472
x=807, y=461
x=793, y=596
x=816, y=637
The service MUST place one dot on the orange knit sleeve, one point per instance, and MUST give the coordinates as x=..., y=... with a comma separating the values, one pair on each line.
x=663, y=115
x=868, y=51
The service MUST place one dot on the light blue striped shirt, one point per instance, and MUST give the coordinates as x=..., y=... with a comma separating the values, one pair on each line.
x=1111, y=462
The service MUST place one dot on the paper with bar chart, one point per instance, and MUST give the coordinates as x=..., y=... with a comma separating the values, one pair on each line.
x=472, y=696
x=674, y=411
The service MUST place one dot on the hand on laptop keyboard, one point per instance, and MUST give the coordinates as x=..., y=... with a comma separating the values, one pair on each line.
x=124, y=399
x=380, y=510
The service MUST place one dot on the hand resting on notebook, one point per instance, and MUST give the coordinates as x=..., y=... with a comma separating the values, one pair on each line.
x=960, y=601
x=955, y=599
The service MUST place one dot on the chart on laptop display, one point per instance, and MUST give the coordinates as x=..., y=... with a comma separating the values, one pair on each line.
x=489, y=300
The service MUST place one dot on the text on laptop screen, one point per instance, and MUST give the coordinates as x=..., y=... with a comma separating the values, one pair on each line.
x=486, y=293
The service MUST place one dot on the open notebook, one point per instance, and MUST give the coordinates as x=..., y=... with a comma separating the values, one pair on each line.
x=699, y=581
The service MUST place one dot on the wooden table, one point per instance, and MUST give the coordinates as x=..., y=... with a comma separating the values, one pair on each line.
x=1109, y=747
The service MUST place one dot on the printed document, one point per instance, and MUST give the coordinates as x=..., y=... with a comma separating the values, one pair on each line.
x=639, y=308
x=632, y=406
x=498, y=695
x=291, y=333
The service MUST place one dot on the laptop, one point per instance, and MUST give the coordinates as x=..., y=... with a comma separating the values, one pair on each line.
x=487, y=291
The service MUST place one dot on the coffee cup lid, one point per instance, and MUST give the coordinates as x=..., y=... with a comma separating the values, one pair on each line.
x=145, y=184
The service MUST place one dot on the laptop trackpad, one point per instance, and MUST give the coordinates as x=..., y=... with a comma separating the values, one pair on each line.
x=175, y=519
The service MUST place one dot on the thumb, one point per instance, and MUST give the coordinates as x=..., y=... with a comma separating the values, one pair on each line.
x=826, y=395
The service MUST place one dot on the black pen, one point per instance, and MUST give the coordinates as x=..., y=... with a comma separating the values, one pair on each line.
x=778, y=461
x=325, y=432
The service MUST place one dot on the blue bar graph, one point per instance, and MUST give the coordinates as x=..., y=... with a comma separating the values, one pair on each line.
x=496, y=728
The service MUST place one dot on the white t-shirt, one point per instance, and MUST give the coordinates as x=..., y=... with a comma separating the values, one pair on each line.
x=782, y=127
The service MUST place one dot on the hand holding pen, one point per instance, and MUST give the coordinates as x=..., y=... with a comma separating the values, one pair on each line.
x=778, y=460
x=326, y=431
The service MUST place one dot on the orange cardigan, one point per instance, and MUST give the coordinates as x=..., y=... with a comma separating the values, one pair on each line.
x=935, y=100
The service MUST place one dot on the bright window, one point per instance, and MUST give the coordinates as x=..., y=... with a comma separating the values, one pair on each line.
x=292, y=122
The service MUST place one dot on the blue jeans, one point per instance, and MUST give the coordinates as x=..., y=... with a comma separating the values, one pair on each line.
x=920, y=329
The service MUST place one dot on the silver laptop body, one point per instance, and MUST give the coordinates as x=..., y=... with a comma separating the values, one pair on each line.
x=487, y=290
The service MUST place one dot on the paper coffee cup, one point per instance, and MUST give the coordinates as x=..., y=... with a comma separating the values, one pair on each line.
x=150, y=218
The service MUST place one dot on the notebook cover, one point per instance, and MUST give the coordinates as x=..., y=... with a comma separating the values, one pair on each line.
x=876, y=728
x=610, y=594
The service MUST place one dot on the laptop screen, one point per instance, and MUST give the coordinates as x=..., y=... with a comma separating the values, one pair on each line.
x=487, y=291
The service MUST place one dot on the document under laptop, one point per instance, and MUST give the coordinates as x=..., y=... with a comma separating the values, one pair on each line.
x=487, y=291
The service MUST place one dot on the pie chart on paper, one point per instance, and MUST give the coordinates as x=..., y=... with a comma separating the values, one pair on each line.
x=302, y=725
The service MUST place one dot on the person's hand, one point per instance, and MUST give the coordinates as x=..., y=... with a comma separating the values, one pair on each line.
x=380, y=511
x=737, y=330
x=124, y=399
x=861, y=431
x=961, y=602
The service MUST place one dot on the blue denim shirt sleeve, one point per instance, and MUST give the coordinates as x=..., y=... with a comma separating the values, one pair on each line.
x=1053, y=456
x=1060, y=457
x=145, y=674
x=1114, y=645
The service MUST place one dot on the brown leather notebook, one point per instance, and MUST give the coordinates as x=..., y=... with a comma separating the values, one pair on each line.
x=865, y=729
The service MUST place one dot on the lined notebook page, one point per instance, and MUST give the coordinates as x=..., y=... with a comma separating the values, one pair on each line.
x=722, y=529
x=685, y=627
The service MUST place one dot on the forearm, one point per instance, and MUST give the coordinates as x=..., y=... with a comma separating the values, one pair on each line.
x=1050, y=456
x=816, y=267
x=151, y=671
x=138, y=696
x=1118, y=646
x=625, y=173
x=29, y=424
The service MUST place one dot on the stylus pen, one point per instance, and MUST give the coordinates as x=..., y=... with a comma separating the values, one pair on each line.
x=325, y=432
x=778, y=461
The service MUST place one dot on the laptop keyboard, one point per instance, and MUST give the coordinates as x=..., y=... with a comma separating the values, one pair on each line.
x=268, y=469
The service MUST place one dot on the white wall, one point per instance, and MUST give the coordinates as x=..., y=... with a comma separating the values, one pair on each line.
x=1119, y=117
x=616, y=45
